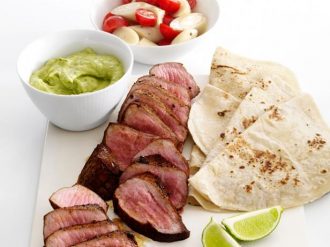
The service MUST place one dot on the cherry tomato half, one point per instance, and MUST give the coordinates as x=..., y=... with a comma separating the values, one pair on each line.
x=170, y=6
x=192, y=4
x=107, y=16
x=168, y=32
x=152, y=2
x=111, y=23
x=168, y=19
x=146, y=18
x=164, y=42
x=126, y=1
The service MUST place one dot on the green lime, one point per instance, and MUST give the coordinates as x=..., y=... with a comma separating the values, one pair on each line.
x=254, y=225
x=214, y=235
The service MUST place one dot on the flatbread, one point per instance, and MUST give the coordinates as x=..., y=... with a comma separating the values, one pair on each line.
x=237, y=75
x=197, y=157
x=256, y=103
x=209, y=116
x=282, y=159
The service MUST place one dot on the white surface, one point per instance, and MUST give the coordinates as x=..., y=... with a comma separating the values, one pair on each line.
x=157, y=54
x=75, y=112
x=295, y=33
x=64, y=157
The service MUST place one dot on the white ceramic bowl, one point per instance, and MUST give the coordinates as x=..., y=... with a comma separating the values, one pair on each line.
x=160, y=54
x=75, y=112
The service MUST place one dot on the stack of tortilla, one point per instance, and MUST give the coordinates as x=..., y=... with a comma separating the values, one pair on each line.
x=259, y=141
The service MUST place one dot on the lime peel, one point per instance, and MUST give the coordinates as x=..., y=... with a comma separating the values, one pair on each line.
x=214, y=235
x=254, y=225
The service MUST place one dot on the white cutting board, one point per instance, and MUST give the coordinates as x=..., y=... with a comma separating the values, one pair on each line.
x=65, y=154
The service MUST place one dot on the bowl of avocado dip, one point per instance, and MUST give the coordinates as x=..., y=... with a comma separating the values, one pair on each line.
x=76, y=77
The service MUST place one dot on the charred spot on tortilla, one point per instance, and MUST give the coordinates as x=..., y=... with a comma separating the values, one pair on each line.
x=247, y=122
x=222, y=113
x=274, y=114
x=317, y=142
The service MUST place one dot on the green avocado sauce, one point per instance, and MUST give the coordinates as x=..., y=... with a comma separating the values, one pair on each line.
x=81, y=72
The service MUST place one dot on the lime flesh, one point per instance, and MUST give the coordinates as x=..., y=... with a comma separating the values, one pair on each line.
x=253, y=225
x=214, y=235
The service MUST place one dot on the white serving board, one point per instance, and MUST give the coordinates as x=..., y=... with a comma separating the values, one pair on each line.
x=65, y=154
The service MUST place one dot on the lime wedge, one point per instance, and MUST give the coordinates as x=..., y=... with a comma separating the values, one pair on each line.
x=253, y=225
x=214, y=235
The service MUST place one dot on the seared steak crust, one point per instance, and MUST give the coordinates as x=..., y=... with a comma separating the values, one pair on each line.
x=113, y=239
x=100, y=173
x=143, y=205
x=174, y=181
x=76, y=234
x=76, y=215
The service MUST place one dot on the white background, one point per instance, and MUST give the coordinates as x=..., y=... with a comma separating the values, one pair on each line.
x=293, y=32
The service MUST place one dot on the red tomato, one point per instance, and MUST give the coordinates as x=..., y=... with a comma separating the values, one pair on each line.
x=164, y=42
x=170, y=6
x=168, y=32
x=107, y=16
x=146, y=18
x=167, y=19
x=192, y=3
x=126, y=1
x=152, y=2
x=111, y=23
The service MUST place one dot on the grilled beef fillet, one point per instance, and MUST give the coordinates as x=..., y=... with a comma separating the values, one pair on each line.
x=100, y=173
x=175, y=89
x=76, y=215
x=179, y=109
x=75, y=196
x=143, y=205
x=124, y=143
x=76, y=234
x=142, y=118
x=160, y=109
x=175, y=72
x=173, y=180
x=113, y=239
x=167, y=151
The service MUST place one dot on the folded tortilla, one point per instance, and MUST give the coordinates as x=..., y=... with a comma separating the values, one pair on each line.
x=209, y=116
x=237, y=75
x=282, y=159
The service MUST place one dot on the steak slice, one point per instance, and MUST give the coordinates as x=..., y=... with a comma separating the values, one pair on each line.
x=175, y=72
x=160, y=109
x=167, y=151
x=76, y=215
x=175, y=89
x=124, y=143
x=144, y=206
x=76, y=234
x=113, y=239
x=179, y=109
x=172, y=179
x=75, y=196
x=142, y=118
x=100, y=173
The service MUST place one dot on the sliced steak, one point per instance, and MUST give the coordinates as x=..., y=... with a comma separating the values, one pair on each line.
x=76, y=234
x=172, y=179
x=175, y=89
x=160, y=109
x=167, y=151
x=175, y=72
x=113, y=239
x=76, y=215
x=179, y=109
x=142, y=118
x=124, y=143
x=75, y=196
x=100, y=173
x=144, y=206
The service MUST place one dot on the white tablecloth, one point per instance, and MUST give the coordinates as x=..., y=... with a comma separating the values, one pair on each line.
x=295, y=33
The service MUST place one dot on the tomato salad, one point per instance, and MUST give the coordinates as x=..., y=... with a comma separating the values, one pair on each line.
x=155, y=22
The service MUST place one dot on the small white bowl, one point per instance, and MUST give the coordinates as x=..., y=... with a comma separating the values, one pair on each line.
x=160, y=54
x=75, y=112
